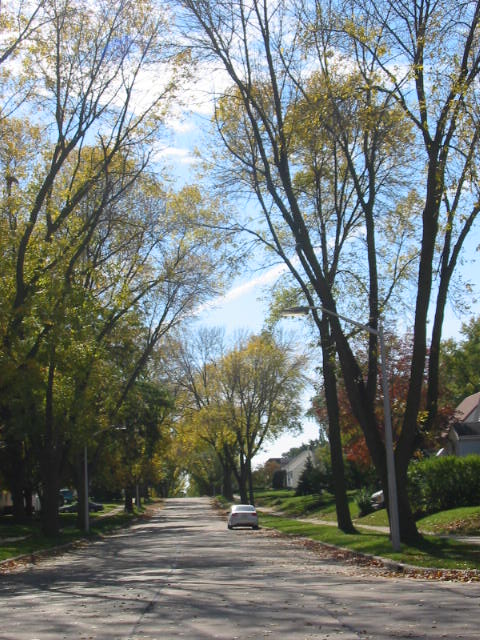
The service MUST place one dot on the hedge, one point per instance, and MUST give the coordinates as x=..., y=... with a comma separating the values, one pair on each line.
x=446, y=482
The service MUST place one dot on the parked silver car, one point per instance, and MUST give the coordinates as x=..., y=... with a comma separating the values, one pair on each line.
x=242, y=515
x=377, y=500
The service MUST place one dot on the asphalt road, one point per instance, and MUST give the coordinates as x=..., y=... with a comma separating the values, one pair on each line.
x=184, y=575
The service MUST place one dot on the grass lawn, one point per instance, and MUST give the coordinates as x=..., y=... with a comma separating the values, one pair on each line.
x=463, y=521
x=460, y=521
x=433, y=551
x=17, y=540
x=287, y=502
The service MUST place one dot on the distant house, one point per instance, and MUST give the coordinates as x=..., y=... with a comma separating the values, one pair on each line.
x=294, y=468
x=464, y=434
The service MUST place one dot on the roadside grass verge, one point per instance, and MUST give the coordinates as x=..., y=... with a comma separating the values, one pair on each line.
x=431, y=552
x=461, y=521
x=377, y=518
x=17, y=540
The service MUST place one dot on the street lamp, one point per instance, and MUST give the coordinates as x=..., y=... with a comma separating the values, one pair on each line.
x=391, y=477
x=85, y=476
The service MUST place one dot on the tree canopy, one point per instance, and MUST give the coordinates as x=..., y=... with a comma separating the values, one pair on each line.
x=101, y=257
x=233, y=400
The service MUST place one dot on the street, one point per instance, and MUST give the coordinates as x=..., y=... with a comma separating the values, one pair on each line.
x=182, y=574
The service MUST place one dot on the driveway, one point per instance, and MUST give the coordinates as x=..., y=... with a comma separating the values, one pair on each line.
x=184, y=575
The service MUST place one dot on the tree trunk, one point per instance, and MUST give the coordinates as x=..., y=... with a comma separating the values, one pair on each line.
x=227, y=489
x=242, y=481
x=129, y=499
x=408, y=527
x=50, y=460
x=13, y=472
x=250, y=481
x=28, y=495
x=80, y=486
x=137, y=496
x=19, y=512
x=344, y=519
x=51, y=487
x=407, y=523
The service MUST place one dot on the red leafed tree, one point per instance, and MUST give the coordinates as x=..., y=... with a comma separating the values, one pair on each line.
x=398, y=372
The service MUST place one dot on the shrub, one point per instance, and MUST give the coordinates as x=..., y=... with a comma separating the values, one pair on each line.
x=363, y=501
x=437, y=484
x=312, y=480
x=279, y=479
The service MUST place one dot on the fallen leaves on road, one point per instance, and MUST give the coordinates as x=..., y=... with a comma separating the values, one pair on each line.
x=379, y=566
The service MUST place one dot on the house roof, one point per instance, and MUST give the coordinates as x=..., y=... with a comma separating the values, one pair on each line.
x=468, y=407
x=467, y=429
x=299, y=460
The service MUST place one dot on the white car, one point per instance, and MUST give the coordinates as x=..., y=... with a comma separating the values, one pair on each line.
x=242, y=515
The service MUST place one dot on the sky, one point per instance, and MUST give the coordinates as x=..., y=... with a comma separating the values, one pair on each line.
x=241, y=307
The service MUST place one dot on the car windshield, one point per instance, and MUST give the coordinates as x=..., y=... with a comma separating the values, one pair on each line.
x=243, y=507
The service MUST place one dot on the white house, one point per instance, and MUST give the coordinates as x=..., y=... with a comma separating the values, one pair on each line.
x=294, y=468
x=464, y=434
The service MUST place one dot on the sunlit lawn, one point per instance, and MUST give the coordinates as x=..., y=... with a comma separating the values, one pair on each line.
x=287, y=502
x=462, y=521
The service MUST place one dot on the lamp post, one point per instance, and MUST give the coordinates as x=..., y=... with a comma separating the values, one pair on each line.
x=85, y=476
x=390, y=459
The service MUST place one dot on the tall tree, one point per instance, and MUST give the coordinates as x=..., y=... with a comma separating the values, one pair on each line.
x=97, y=265
x=142, y=416
x=238, y=398
x=260, y=382
x=191, y=361
x=413, y=68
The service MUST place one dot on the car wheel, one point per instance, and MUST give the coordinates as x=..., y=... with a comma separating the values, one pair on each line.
x=229, y=526
x=255, y=526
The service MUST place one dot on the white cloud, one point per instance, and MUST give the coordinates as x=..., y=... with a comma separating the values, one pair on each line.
x=244, y=288
x=177, y=154
x=209, y=81
x=180, y=125
x=268, y=277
